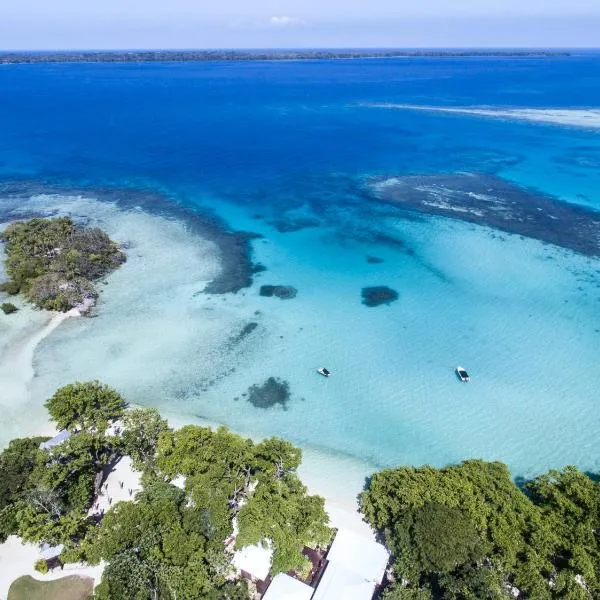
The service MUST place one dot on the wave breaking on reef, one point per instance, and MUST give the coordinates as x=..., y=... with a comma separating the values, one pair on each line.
x=494, y=202
x=583, y=117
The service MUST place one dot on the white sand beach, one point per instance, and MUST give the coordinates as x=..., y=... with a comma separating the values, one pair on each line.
x=16, y=358
x=20, y=335
x=339, y=480
x=588, y=118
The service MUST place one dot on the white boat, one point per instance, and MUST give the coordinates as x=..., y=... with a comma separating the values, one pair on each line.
x=323, y=371
x=462, y=374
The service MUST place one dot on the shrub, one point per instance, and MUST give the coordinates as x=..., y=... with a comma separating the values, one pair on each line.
x=10, y=287
x=8, y=308
x=41, y=566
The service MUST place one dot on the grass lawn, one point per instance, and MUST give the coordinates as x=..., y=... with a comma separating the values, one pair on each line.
x=67, y=588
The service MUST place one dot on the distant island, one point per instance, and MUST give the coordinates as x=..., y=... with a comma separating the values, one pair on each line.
x=239, y=55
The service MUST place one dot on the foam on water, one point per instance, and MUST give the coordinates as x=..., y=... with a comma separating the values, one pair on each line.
x=585, y=118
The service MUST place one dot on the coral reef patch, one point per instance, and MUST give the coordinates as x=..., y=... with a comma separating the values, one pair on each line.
x=375, y=296
x=283, y=292
x=272, y=392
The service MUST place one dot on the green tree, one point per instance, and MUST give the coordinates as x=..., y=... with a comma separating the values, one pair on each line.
x=16, y=465
x=282, y=512
x=544, y=541
x=91, y=406
x=155, y=548
x=473, y=582
x=399, y=592
x=8, y=308
x=142, y=428
x=434, y=538
x=569, y=501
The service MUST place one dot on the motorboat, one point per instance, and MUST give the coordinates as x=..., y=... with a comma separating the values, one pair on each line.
x=323, y=371
x=462, y=374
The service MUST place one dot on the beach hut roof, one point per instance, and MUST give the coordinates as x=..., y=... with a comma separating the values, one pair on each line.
x=254, y=560
x=59, y=438
x=284, y=587
x=48, y=552
x=359, y=555
x=337, y=583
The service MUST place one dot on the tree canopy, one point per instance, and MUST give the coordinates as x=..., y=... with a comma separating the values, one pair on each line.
x=85, y=406
x=142, y=428
x=467, y=531
x=53, y=262
x=167, y=543
x=17, y=462
x=231, y=477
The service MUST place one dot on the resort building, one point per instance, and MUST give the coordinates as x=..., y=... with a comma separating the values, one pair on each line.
x=284, y=587
x=51, y=554
x=353, y=569
x=59, y=438
x=254, y=563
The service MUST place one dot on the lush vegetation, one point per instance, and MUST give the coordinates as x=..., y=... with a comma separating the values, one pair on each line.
x=170, y=542
x=67, y=588
x=54, y=262
x=468, y=532
x=88, y=406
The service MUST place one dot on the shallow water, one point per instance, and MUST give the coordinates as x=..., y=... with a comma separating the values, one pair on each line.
x=271, y=148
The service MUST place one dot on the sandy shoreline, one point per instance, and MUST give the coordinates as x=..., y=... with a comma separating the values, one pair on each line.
x=16, y=358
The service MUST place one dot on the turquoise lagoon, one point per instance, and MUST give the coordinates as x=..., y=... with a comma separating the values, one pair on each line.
x=284, y=150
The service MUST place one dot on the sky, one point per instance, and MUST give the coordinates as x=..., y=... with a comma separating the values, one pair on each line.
x=125, y=24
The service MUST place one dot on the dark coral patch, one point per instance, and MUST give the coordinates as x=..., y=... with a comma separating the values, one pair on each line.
x=272, y=392
x=291, y=225
x=375, y=296
x=374, y=260
x=284, y=292
x=258, y=268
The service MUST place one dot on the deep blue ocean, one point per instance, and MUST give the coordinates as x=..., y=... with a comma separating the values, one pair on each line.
x=255, y=143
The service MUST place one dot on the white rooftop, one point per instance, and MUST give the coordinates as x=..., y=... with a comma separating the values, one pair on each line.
x=59, y=438
x=284, y=587
x=254, y=560
x=337, y=583
x=48, y=552
x=359, y=555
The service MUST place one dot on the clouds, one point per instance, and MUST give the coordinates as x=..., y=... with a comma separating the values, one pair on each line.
x=286, y=22
x=60, y=24
x=283, y=22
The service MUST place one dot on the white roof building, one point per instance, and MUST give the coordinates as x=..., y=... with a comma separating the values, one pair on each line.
x=284, y=587
x=48, y=552
x=337, y=583
x=59, y=438
x=254, y=560
x=355, y=566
